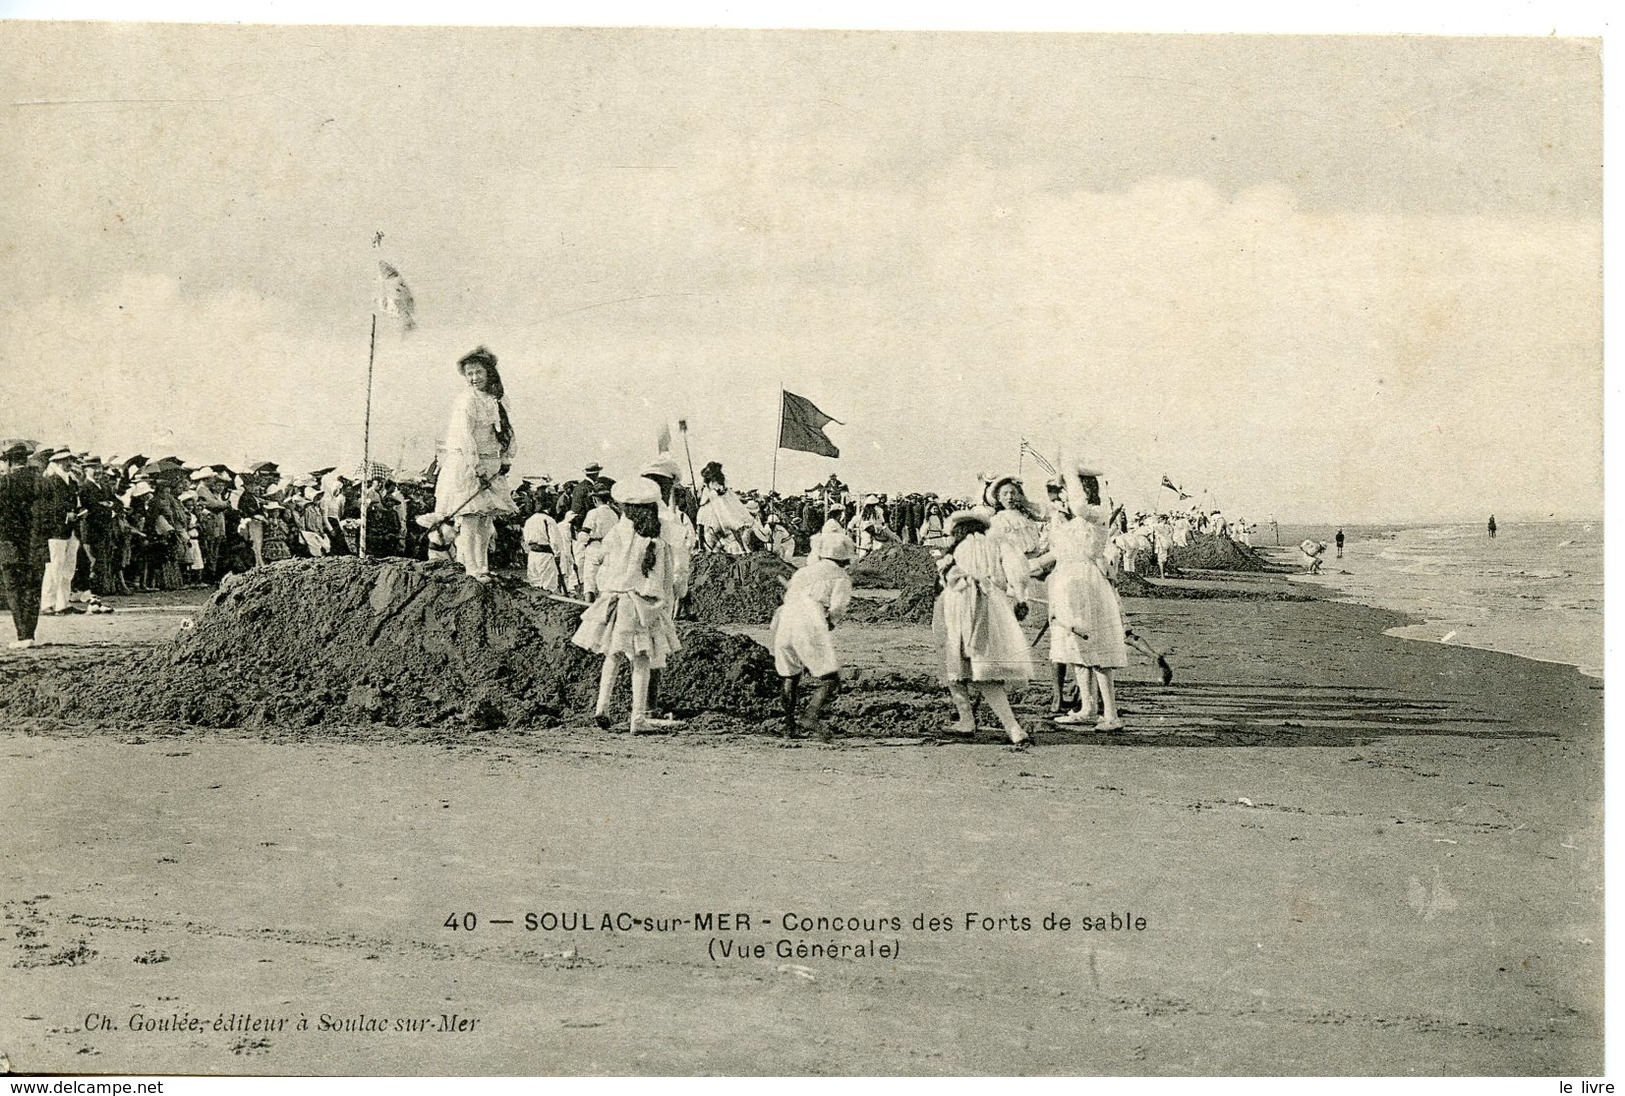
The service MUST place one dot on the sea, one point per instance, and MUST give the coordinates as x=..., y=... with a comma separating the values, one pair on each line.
x=1534, y=589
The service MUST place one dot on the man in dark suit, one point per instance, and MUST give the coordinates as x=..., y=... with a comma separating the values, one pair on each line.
x=23, y=555
x=581, y=495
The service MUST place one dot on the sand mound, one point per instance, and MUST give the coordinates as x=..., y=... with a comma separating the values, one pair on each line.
x=895, y=567
x=1209, y=553
x=728, y=589
x=912, y=605
x=1128, y=585
x=906, y=568
x=398, y=642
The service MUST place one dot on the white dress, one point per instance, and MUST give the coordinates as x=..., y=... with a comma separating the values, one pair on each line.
x=472, y=451
x=723, y=515
x=1081, y=598
x=678, y=533
x=975, y=618
x=632, y=615
x=816, y=598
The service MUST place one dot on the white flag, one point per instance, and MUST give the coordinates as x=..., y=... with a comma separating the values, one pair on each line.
x=394, y=298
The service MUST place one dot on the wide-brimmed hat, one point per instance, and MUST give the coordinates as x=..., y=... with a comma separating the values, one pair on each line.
x=593, y=469
x=835, y=546
x=16, y=448
x=977, y=517
x=990, y=493
x=636, y=491
x=663, y=466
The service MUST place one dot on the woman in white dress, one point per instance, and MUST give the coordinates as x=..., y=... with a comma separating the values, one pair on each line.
x=723, y=520
x=473, y=482
x=933, y=532
x=869, y=529
x=978, y=618
x=1086, y=618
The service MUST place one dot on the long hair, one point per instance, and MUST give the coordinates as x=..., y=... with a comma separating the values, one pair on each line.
x=1022, y=505
x=493, y=388
x=645, y=519
x=1091, y=489
x=712, y=473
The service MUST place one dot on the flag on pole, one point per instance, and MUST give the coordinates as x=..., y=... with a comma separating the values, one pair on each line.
x=1168, y=483
x=801, y=427
x=394, y=298
x=1027, y=448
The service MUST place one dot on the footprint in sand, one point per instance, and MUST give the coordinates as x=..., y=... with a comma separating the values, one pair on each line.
x=1429, y=902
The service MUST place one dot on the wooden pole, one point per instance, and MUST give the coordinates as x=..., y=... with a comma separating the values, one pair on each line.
x=366, y=437
x=775, y=485
x=694, y=484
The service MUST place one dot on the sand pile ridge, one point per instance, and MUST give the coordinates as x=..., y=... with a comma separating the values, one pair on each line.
x=398, y=642
x=727, y=589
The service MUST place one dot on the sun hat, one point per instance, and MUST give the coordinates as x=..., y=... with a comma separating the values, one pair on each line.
x=636, y=491
x=976, y=516
x=662, y=465
x=835, y=546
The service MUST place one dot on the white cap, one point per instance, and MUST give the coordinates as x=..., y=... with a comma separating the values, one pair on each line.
x=662, y=465
x=635, y=491
x=836, y=546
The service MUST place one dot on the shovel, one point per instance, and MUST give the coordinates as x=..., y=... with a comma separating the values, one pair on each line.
x=429, y=521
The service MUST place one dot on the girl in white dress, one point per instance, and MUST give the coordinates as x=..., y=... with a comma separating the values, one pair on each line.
x=473, y=481
x=978, y=618
x=723, y=520
x=632, y=617
x=814, y=602
x=1086, y=618
x=1015, y=518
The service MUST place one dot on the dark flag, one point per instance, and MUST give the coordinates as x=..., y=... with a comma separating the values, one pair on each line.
x=801, y=426
x=1168, y=483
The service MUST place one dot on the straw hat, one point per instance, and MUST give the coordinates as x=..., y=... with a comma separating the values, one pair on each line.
x=662, y=465
x=636, y=491
x=835, y=546
x=990, y=493
x=977, y=517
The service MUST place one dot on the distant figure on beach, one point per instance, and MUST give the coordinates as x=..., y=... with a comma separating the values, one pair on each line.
x=1340, y=544
x=1492, y=525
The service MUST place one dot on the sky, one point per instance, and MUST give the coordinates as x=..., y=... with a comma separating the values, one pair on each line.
x=1341, y=279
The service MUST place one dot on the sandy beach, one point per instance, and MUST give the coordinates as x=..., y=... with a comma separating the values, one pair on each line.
x=1322, y=850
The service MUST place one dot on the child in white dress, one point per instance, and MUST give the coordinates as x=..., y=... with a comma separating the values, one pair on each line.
x=814, y=602
x=978, y=618
x=631, y=618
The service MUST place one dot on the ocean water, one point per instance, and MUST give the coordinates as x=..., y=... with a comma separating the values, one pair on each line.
x=1534, y=590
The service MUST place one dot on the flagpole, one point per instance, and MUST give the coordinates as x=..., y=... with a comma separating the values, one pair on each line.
x=776, y=445
x=1021, y=457
x=682, y=426
x=366, y=436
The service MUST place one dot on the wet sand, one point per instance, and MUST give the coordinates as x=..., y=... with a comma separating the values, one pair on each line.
x=1354, y=854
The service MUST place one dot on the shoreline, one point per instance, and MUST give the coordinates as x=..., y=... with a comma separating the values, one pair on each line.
x=1329, y=590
